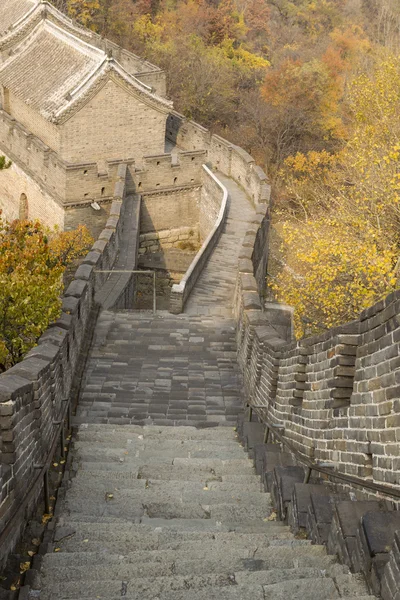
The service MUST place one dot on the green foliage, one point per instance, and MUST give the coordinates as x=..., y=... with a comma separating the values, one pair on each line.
x=32, y=262
x=4, y=163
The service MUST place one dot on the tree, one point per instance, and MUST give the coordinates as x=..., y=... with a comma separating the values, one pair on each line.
x=4, y=163
x=341, y=222
x=32, y=262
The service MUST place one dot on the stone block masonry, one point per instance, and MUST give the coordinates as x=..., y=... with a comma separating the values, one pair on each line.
x=181, y=238
x=32, y=392
x=336, y=395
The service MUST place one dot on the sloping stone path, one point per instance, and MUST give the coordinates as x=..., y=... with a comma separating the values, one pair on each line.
x=176, y=513
x=168, y=369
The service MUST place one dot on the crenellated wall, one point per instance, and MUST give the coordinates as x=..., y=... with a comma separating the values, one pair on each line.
x=337, y=394
x=33, y=392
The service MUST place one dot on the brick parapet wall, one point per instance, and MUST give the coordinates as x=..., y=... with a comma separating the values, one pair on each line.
x=32, y=393
x=68, y=184
x=337, y=394
x=214, y=199
x=233, y=161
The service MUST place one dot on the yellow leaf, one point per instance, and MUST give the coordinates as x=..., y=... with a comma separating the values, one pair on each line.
x=46, y=518
x=24, y=566
x=57, y=549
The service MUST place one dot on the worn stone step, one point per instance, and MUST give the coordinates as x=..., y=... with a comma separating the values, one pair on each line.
x=151, y=431
x=107, y=457
x=152, y=493
x=149, y=588
x=124, y=506
x=163, y=448
x=122, y=438
x=185, y=525
x=100, y=565
x=151, y=537
x=190, y=546
x=121, y=481
x=223, y=471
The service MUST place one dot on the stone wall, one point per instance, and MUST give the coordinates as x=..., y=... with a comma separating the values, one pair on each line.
x=180, y=292
x=113, y=125
x=67, y=184
x=234, y=162
x=33, y=392
x=164, y=210
x=165, y=239
x=14, y=182
x=337, y=394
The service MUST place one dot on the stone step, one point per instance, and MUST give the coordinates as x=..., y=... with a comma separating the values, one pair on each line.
x=87, y=542
x=152, y=431
x=163, y=454
x=118, y=480
x=125, y=507
x=100, y=565
x=177, y=525
x=152, y=469
x=151, y=493
x=149, y=588
x=117, y=437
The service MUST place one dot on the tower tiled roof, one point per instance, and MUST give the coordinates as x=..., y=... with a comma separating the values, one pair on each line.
x=11, y=11
x=53, y=70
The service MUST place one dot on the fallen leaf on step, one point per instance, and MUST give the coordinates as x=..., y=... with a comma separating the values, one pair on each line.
x=205, y=489
x=52, y=497
x=31, y=553
x=272, y=517
x=55, y=464
x=36, y=542
x=57, y=549
x=62, y=462
x=45, y=519
x=110, y=496
x=85, y=541
x=24, y=566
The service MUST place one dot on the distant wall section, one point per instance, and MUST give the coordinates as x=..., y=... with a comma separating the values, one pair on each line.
x=16, y=183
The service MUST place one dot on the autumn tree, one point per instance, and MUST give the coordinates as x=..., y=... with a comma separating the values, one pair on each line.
x=340, y=227
x=32, y=262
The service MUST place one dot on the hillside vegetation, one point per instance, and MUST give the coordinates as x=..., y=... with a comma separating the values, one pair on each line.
x=312, y=89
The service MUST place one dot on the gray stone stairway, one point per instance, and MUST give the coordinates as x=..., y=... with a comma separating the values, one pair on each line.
x=166, y=513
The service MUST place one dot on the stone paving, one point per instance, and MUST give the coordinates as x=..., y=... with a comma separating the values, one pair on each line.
x=175, y=513
x=162, y=368
x=169, y=369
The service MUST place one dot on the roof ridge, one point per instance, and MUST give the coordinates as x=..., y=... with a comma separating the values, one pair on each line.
x=97, y=78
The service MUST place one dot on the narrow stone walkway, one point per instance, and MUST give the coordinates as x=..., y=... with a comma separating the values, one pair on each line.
x=213, y=292
x=177, y=514
x=161, y=369
x=168, y=369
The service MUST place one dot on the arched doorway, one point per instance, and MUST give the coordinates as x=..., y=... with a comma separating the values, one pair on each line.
x=23, y=208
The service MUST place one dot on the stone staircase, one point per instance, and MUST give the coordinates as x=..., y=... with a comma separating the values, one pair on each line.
x=167, y=513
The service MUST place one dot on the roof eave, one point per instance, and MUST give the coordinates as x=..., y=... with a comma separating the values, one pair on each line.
x=108, y=70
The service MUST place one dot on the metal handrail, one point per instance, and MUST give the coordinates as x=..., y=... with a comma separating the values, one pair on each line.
x=311, y=466
x=43, y=471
